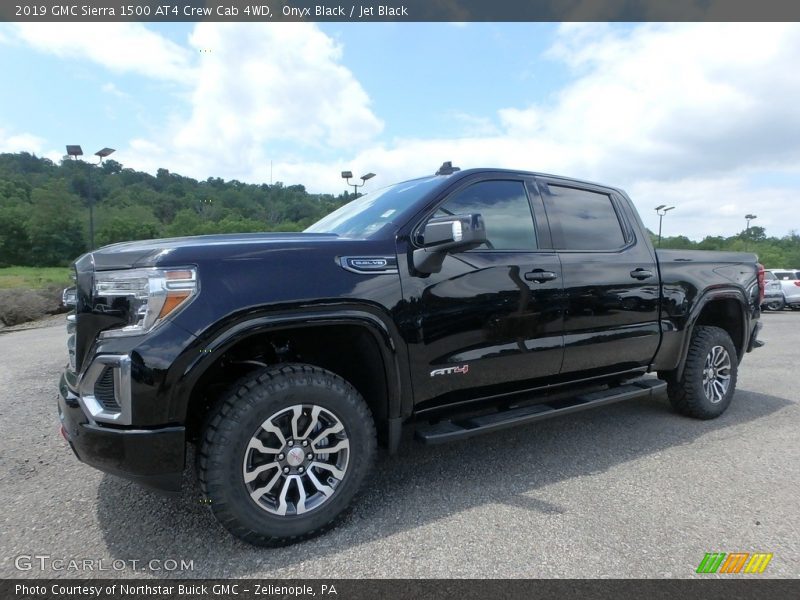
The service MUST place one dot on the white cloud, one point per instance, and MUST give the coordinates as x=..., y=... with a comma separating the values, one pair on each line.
x=683, y=113
x=678, y=99
x=715, y=206
x=275, y=82
x=120, y=47
x=678, y=113
x=258, y=86
x=110, y=88
x=21, y=142
x=27, y=142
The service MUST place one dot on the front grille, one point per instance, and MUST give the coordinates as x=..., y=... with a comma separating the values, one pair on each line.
x=84, y=332
x=104, y=390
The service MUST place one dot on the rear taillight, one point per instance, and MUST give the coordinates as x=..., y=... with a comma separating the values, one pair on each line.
x=762, y=283
x=797, y=282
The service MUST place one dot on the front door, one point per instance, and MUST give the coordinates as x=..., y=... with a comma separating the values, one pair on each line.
x=490, y=321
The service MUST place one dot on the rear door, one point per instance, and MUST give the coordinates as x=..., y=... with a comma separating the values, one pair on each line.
x=490, y=322
x=611, y=284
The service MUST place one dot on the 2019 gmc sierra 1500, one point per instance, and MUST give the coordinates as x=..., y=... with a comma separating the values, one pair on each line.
x=459, y=303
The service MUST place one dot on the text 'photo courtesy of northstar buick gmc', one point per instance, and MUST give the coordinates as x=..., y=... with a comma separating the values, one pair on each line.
x=455, y=304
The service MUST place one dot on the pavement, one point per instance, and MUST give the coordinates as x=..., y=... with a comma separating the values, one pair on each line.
x=628, y=490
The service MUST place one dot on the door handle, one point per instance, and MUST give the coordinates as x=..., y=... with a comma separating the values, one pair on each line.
x=540, y=275
x=641, y=273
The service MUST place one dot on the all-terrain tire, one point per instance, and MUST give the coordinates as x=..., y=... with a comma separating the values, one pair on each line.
x=270, y=397
x=691, y=394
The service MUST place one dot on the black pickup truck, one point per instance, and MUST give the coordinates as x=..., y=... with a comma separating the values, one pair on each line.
x=456, y=304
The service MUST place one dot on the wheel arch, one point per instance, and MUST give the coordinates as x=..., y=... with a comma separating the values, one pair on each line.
x=371, y=361
x=725, y=308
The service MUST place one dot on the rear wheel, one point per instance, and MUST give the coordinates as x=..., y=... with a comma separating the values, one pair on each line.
x=776, y=304
x=285, y=453
x=708, y=382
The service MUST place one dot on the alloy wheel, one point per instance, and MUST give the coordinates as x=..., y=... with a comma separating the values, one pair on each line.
x=295, y=460
x=716, y=374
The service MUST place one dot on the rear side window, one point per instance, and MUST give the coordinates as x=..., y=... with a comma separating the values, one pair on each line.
x=505, y=210
x=582, y=220
x=785, y=275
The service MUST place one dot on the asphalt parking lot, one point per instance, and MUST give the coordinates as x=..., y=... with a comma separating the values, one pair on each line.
x=630, y=490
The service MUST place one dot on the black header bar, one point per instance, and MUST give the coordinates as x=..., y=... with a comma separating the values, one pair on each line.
x=745, y=587
x=401, y=10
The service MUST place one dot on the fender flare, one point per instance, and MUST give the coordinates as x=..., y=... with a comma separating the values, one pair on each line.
x=209, y=347
x=721, y=293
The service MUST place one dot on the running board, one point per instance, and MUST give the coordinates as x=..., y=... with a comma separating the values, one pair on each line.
x=456, y=429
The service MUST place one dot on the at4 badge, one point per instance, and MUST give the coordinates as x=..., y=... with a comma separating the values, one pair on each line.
x=463, y=370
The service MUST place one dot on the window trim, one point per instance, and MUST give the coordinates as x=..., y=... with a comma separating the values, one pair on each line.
x=524, y=181
x=628, y=233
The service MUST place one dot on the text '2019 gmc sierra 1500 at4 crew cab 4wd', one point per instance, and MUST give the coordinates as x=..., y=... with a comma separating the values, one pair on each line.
x=459, y=303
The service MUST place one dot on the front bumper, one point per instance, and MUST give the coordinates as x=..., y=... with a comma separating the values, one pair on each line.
x=151, y=457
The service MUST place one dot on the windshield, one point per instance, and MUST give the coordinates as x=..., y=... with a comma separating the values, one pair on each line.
x=366, y=216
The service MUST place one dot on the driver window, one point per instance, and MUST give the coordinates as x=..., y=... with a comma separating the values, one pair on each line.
x=505, y=209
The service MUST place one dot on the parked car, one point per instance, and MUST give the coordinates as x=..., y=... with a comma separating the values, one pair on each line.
x=456, y=304
x=790, y=283
x=773, y=293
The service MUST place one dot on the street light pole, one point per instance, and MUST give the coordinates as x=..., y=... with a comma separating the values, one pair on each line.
x=748, y=217
x=661, y=210
x=347, y=175
x=101, y=154
x=75, y=151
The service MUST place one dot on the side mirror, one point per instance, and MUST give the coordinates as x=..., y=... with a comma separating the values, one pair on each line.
x=441, y=235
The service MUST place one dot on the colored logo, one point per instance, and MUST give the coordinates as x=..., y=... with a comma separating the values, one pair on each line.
x=735, y=562
x=463, y=370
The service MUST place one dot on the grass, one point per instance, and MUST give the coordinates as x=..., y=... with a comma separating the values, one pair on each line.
x=34, y=278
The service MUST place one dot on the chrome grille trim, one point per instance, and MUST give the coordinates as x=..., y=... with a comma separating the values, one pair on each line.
x=100, y=409
x=105, y=390
x=71, y=326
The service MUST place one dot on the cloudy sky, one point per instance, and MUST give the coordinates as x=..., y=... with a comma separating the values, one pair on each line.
x=705, y=117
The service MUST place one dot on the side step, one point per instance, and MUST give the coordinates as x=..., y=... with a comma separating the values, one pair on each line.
x=447, y=431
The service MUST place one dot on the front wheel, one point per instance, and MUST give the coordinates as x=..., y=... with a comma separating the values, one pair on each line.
x=285, y=453
x=708, y=382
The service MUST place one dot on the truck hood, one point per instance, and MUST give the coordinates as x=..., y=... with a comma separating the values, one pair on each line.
x=148, y=253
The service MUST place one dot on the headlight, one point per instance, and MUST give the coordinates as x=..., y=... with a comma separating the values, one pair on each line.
x=143, y=297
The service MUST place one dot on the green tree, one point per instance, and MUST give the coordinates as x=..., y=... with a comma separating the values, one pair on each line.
x=15, y=248
x=44, y=211
x=186, y=222
x=55, y=229
x=120, y=229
